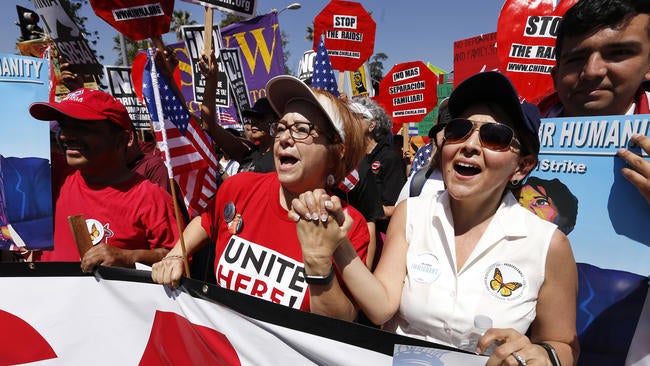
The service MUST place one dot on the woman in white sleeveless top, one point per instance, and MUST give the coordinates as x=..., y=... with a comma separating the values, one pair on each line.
x=470, y=250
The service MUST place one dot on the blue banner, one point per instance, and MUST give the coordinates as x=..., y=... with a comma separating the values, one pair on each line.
x=25, y=178
x=578, y=184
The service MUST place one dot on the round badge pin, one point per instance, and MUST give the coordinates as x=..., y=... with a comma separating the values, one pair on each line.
x=229, y=212
x=236, y=225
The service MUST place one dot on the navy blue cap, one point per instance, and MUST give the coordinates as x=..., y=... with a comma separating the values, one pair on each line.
x=495, y=88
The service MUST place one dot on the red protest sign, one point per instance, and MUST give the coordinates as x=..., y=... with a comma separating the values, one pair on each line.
x=408, y=92
x=136, y=19
x=526, y=43
x=349, y=34
x=474, y=55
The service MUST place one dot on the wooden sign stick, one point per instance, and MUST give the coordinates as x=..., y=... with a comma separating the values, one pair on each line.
x=80, y=234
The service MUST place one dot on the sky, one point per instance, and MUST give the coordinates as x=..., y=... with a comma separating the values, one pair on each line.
x=412, y=30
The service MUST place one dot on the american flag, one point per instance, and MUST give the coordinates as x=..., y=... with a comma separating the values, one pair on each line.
x=323, y=77
x=192, y=162
x=350, y=181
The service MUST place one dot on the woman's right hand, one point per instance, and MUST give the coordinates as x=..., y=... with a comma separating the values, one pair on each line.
x=168, y=271
x=321, y=223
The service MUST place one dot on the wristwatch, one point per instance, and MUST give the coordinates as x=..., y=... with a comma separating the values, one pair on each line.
x=552, y=354
x=320, y=280
x=221, y=170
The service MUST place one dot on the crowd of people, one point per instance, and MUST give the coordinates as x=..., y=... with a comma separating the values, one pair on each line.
x=315, y=209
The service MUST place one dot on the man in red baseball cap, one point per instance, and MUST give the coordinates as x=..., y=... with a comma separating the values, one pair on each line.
x=129, y=219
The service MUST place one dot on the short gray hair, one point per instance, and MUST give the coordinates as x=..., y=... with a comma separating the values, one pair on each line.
x=384, y=125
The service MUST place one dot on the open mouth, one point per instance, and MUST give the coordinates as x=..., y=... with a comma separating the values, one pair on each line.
x=466, y=169
x=288, y=160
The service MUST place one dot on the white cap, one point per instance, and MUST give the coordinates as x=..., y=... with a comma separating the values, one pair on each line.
x=361, y=109
x=283, y=89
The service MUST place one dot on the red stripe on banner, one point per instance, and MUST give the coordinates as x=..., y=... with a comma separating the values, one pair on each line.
x=174, y=340
x=21, y=343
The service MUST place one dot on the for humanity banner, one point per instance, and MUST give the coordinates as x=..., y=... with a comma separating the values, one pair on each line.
x=578, y=185
x=143, y=323
x=25, y=178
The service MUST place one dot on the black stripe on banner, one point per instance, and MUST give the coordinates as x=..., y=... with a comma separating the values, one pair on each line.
x=342, y=331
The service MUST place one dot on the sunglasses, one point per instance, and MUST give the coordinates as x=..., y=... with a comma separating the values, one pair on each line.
x=494, y=136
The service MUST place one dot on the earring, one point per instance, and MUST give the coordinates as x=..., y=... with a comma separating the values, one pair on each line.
x=330, y=180
x=515, y=182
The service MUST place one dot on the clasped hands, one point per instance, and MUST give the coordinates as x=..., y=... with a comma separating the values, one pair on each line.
x=321, y=222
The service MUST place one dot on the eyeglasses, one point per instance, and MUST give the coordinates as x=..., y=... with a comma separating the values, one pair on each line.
x=298, y=130
x=494, y=136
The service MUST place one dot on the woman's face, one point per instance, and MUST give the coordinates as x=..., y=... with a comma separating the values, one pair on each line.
x=535, y=199
x=471, y=171
x=302, y=164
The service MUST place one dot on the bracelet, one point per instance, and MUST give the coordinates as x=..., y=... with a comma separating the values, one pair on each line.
x=320, y=280
x=552, y=354
x=172, y=257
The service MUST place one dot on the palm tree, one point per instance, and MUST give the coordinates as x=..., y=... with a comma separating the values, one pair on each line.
x=132, y=49
x=179, y=19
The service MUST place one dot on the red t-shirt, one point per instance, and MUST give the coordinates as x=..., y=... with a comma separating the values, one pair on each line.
x=134, y=214
x=265, y=258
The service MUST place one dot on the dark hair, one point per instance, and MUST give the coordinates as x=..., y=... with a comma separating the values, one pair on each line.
x=589, y=16
x=563, y=199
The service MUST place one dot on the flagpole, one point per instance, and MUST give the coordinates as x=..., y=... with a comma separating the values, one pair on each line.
x=165, y=149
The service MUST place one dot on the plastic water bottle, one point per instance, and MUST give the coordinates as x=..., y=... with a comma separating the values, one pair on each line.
x=469, y=340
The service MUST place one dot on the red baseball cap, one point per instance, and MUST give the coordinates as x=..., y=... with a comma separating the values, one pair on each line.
x=86, y=105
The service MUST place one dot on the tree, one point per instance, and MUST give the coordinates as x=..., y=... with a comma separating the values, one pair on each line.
x=179, y=19
x=132, y=49
x=72, y=8
x=376, y=65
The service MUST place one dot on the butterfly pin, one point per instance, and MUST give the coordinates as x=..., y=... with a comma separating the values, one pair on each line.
x=505, y=289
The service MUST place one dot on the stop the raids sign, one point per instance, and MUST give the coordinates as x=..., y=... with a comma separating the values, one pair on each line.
x=526, y=43
x=136, y=19
x=408, y=92
x=349, y=34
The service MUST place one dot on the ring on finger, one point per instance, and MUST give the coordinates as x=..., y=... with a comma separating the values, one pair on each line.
x=520, y=359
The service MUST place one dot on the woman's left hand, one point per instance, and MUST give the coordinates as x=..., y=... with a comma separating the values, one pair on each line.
x=515, y=349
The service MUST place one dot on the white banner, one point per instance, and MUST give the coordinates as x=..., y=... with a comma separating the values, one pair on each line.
x=53, y=314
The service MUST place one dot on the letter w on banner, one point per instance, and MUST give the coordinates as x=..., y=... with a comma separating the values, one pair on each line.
x=187, y=152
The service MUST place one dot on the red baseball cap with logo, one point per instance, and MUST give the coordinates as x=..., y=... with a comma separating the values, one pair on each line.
x=86, y=105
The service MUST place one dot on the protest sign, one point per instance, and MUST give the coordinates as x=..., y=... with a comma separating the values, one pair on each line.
x=136, y=19
x=408, y=92
x=25, y=179
x=306, y=66
x=236, y=79
x=121, y=87
x=349, y=32
x=243, y=8
x=474, y=55
x=526, y=43
x=361, y=82
x=260, y=50
x=603, y=214
x=193, y=37
x=68, y=38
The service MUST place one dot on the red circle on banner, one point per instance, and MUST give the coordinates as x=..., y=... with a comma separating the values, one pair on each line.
x=526, y=43
x=408, y=92
x=349, y=34
x=136, y=19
